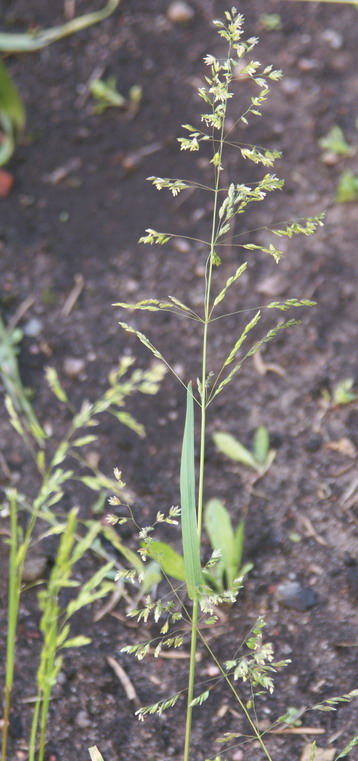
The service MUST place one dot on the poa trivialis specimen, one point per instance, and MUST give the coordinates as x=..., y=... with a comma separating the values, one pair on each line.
x=55, y=467
x=256, y=665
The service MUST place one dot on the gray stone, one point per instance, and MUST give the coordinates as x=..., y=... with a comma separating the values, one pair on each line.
x=293, y=595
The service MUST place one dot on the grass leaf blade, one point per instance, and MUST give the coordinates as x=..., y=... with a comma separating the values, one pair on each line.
x=187, y=498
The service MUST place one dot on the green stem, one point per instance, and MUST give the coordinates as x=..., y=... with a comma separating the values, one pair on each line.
x=13, y=609
x=206, y=321
x=189, y=710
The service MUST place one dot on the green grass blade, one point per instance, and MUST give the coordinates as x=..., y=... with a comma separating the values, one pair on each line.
x=239, y=539
x=26, y=43
x=95, y=754
x=221, y=536
x=232, y=448
x=187, y=497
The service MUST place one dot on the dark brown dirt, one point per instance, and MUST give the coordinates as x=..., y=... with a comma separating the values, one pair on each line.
x=88, y=224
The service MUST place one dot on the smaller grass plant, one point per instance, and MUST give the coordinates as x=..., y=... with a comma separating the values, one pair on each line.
x=259, y=459
x=34, y=519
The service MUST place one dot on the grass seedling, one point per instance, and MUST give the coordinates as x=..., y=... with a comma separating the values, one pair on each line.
x=228, y=572
x=19, y=407
x=335, y=142
x=261, y=457
x=347, y=189
x=342, y=394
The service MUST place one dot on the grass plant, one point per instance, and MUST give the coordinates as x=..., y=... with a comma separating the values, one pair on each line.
x=256, y=666
x=34, y=519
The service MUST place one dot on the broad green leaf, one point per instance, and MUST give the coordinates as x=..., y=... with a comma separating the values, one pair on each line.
x=170, y=561
x=261, y=444
x=187, y=497
x=231, y=447
x=26, y=43
x=220, y=532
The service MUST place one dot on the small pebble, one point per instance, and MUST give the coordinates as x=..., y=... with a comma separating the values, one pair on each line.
x=290, y=86
x=293, y=596
x=307, y=64
x=33, y=327
x=83, y=720
x=34, y=567
x=73, y=367
x=334, y=39
x=314, y=443
x=181, y=245
x=180, y=12
x=273, y=285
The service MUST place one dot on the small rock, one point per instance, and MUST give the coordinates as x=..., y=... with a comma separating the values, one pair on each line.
x=34, y=567
x=307, y=64
x=290, y=85
x=237, y=755
x=292, y=595
x=33, y=327
x=273, y=285
x=83, y=720
x=73, y=367
x=352, y=578
x=181, y=245
x=314, y=443
x=6, y=183
x=180, y=12
x=330, y=158
x=334, y=39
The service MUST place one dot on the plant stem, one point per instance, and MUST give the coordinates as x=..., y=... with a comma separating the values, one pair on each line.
x=189, y=710
x=207, y=295
x=15, y=573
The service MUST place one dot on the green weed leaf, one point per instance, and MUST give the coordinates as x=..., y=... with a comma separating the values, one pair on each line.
x=169, y=560
x=261, y=444
x=335, y=142
x=232, y=448
x=347, y=189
